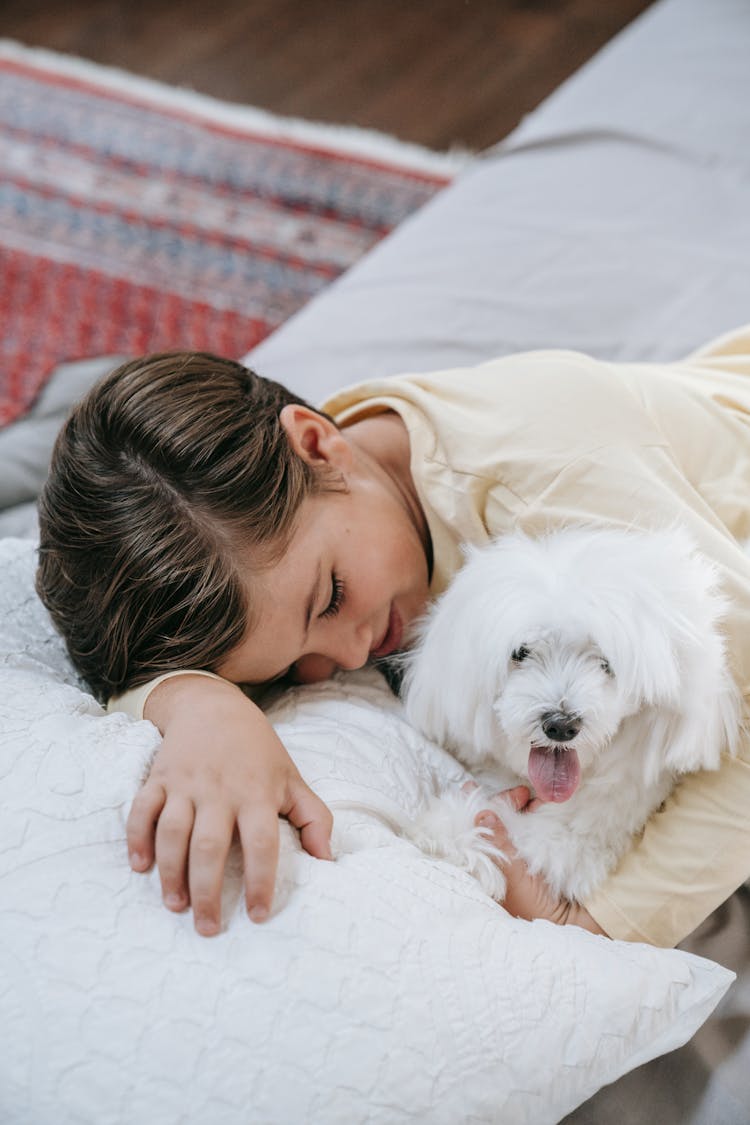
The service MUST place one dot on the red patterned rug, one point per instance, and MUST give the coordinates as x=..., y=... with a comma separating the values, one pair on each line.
x=135, y=217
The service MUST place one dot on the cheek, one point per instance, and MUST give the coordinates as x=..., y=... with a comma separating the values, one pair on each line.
x=403, y=556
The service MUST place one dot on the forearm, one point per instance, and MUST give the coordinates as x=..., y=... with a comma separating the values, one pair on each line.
x=564, y=913
x=176, y=698
x=139, y=702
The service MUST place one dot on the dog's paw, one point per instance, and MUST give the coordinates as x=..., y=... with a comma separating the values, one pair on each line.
x=445, y=829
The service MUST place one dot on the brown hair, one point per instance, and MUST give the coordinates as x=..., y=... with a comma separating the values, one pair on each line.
x=161, y=474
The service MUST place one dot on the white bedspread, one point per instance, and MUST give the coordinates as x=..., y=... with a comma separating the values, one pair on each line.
x=385, y=988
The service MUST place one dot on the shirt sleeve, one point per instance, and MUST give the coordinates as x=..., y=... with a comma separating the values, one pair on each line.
x=728, y=352
x=133, y=702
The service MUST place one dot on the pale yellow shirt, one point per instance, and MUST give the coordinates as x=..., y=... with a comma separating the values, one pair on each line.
x=543, y=439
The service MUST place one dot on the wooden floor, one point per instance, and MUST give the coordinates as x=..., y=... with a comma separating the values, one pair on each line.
x=438, y=72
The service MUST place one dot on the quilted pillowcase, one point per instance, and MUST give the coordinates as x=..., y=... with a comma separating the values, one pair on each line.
x=385, y=987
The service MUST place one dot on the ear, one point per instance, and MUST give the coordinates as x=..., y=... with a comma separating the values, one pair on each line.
x=695, y=713
x=314, y=438
x=694, y=736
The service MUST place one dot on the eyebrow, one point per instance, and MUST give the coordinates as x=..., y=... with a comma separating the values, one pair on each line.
x=311, y=599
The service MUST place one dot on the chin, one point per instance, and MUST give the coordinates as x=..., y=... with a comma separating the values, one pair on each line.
x=587, y=664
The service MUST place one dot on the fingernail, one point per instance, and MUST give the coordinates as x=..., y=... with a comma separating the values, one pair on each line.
x=206, y=926
x=487, y=820
x=137, y=860
x=258, y=914
x=175, y=902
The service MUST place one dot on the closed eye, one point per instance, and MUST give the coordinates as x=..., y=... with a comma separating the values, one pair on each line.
x=337, y=597
x=520, y=653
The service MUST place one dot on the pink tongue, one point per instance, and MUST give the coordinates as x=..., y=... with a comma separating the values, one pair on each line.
x=554, y=772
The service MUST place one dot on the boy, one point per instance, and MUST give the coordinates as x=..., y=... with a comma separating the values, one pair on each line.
x=200, y=518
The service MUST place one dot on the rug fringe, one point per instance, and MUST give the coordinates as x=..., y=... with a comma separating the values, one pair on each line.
x=345, y=140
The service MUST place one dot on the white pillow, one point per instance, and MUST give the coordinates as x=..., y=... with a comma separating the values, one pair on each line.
x=386, y=987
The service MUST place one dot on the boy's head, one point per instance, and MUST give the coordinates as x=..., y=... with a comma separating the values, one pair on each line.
x=164, y=474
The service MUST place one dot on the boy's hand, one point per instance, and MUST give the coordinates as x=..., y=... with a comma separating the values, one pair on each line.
x=528, y=896
x=220, y=767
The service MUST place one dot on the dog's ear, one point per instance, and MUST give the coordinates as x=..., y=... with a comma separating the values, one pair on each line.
x=692, y=732
x=692, y=704
x=694, y=739
x=459, y=664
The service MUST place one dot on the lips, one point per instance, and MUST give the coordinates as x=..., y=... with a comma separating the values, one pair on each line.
x=391, y=639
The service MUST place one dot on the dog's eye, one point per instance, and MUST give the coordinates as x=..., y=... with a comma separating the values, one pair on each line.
x=607, y=667
x=520, y=654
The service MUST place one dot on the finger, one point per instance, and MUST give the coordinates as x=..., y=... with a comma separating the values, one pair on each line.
x=172, y=841
x=207, y=859
x=518, y=797
x=469, y=787
x=312, y=817
x=493, y=829
x=534, y=804
x=141, y=823
x=259, y=835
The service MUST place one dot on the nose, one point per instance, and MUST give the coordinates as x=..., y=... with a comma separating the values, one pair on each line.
x=353, y=656
x=560, y=726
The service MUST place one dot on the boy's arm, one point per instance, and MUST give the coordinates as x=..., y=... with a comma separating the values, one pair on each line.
x=221, y=766
x=661, y=891
x=133, y=702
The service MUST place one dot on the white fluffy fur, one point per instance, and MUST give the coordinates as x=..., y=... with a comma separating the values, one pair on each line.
x=623, y=631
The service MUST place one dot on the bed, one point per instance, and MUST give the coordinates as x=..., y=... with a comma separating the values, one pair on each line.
x=386, y=987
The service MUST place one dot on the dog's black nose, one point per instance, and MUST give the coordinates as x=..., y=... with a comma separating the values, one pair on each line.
x=559, y=726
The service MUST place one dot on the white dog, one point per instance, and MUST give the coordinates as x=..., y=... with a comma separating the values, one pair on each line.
x=588, y=665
